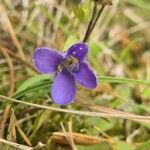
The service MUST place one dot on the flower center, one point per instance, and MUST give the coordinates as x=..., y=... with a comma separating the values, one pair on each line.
x=70, y=63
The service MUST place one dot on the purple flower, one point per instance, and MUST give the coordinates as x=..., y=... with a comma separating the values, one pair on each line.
x=70, y=67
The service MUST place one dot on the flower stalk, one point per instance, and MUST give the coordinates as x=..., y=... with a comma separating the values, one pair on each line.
x=94, y=18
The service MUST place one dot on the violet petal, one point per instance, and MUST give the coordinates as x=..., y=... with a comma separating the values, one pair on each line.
x=85, y=76
x=64, y=88
x=46, y=60
x=78, y=50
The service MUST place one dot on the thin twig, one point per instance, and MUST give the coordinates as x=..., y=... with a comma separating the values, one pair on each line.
x=19, y=58
x=4, y=120
x=111, y=111
x=22, y=133
x=71, y=136
x=10, y=92
x=16, y=145
x=11, y=31
x=11, y=72
x=90, y=22
x=82, y=113
x=11, y=136
x=67, y=136
x=96, y=19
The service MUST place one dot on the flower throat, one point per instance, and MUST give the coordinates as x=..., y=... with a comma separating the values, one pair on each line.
x=71, y=63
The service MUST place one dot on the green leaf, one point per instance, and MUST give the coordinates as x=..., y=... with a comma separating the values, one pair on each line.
x=44, y=81
x=82, y=11
x=95, y=49
x=124, y=91
x=146, y=93
x=72, y=39
x=123, y=80
x=34, y=83
x=100, y=123
x=41, y=120
x=144, y=146
x=124, y=146
x=102, y=146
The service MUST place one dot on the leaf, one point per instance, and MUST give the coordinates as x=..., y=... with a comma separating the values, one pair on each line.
x=82, y=11
x=124, y=91
x=31, y=84
x=32, y=81
x=100, y=123
x=95, y=49
x=146, y=93
x=144, y=146
x=124, y=146
x=72, y=39
x=41, y=120
x=44, y=81
x=123, y=80
x=102, y=146
x=7, y=147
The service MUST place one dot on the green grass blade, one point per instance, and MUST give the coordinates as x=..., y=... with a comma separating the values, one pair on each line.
x=123, y=80
x=40, y=82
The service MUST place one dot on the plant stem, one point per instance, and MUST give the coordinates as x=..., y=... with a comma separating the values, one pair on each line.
x=90, y=23
x=96, y=19
x=139, y=118
x=93, y=21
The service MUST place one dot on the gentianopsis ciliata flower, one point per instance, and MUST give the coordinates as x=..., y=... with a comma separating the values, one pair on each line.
x=70, y=67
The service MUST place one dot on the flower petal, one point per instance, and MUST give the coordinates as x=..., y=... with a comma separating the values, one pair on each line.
x=46, y=60
x=78, y=50
x=64, y=88
x=85, y=76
